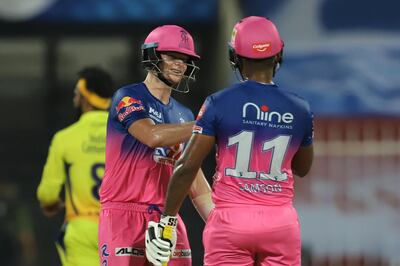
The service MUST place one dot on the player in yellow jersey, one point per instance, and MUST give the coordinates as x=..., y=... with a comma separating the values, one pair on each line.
x=76, y=160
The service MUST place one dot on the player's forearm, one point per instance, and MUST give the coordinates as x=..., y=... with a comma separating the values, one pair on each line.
x=200, y=194
x=170, y=134
x=199, y=186
x=50, y=210
x=178, y=188
x=185, y=172
x=203, y=204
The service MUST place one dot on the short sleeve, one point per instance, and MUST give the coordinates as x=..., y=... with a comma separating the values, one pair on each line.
x=206, y=121
x=128, y=108
x=309, y=130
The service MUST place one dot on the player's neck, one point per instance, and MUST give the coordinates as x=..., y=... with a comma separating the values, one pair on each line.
x=264, y=78
x=158, y=88
x=259, y=75
x=86, y=107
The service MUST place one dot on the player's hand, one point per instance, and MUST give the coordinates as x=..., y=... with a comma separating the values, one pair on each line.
x=158, y=251
x=161, y=240
x=51, y=210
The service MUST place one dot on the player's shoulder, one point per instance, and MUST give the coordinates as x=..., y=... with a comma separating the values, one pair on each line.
x=131, y=89
x=135, y=90
x=222, y=95
x=66, y=134
x=179, y=106
x=295, y=99
x=131, y=93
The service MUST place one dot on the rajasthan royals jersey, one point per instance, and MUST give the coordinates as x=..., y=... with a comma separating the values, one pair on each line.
x=76, y=160
x=135, y=172
x=258, y=129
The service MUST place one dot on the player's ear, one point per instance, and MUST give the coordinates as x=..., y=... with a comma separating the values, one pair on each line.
x=77, y=99
x=239, y=62
x=163, y=57
x=278, y=62
x=83, y=103
x=280, y=57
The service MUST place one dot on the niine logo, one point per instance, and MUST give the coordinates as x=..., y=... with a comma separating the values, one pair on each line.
x=263, y=113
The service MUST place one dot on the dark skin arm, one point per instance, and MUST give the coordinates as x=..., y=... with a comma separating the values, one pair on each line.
x=185, y=171
x=50, y=210
x=160, y=135
x=302, y=160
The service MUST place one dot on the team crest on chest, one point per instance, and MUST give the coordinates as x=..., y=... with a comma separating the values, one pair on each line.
x=168, y=155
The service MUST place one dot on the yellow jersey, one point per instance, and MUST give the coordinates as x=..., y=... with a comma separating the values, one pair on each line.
x=76, y=159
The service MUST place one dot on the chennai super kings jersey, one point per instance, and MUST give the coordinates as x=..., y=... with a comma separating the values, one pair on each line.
x=258, y=129
x=76, y=160
x=135, y=172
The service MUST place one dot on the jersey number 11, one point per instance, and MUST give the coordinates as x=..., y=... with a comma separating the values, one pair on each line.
x=244, y=142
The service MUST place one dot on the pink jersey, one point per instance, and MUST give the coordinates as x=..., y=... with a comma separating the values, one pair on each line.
x=133, y=171
x=258, y=129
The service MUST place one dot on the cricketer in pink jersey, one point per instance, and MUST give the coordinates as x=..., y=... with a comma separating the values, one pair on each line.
x=146, y=132
x=264, y=136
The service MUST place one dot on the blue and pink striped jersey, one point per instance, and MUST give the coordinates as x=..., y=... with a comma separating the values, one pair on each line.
x=258, y=129
x=135, y=172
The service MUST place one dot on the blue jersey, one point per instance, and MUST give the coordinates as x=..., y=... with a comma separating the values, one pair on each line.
x=135, y=172
x=258, y=129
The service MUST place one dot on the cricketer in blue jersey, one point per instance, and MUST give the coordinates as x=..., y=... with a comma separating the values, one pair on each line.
x=263, y=136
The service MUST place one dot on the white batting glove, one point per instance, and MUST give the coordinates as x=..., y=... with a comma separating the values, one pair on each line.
x=161, y=240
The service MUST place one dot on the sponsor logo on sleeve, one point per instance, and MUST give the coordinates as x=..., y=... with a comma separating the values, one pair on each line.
x=127, y=105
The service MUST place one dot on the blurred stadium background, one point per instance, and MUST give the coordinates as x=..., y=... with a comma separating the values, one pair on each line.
x=343, y=56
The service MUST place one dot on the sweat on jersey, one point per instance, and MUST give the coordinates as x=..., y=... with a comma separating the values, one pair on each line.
x=76, y=160
x=258, y=129
x=136, y=173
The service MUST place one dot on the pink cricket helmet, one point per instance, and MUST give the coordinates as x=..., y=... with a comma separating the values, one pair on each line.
x=172, y=38
x=256, y=38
